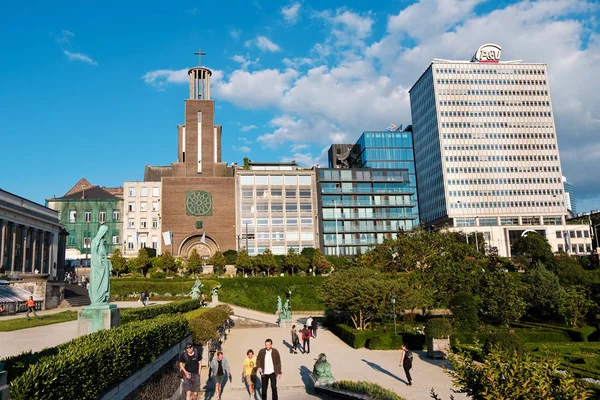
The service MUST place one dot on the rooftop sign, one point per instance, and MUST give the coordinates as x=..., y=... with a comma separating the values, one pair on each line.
x=488, y=53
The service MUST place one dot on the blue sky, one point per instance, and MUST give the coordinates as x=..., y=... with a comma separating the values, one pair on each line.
x=95, y=89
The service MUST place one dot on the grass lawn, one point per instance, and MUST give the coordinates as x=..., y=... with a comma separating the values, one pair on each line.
x=581, y=358
x=23, y=323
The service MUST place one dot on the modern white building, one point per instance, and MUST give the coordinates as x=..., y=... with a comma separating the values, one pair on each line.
x=141, y=217
x=276, y=208
x=486, y=152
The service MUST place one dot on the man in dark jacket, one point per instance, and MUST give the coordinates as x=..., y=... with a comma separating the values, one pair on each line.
x=268, y=363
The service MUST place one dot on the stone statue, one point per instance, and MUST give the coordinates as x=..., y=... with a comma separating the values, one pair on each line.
x=215, y=291
x=287, y=312
x=322, y=370
x=101, y=268
x=279, y=308
x=195, y=292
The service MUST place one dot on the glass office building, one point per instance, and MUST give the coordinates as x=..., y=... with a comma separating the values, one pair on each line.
x=361, y=207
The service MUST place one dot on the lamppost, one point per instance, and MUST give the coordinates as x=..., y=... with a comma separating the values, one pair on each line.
x=394, y=311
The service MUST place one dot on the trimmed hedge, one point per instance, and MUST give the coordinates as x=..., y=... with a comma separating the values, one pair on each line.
x=438, y=328
x=352, y=337
x=504, y=341
x=377, y=340
x=372, y=390
x=573, y=334
x=143, y=313
x=385, y=342
x=126, y=287
x=86, y=367
x=204, y=323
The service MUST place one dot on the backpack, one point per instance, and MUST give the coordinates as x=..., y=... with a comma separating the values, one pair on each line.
x=408, y=357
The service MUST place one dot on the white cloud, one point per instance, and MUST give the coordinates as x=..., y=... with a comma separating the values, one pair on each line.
x=291, y=12
x=297, y=62
x=242, y=149
x=244, y=62
x=352, y=23
x=247, y=128
x=235, y=33
x=79, y=57
x=255, y=89
x=162, y=77
x=264, y=44
x=298, y=147
x=307, y=159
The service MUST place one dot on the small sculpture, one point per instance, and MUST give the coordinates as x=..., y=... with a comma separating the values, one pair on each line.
x=287, y=312
x=215, y=291
x=195, y=292
x=322, y=370
x=101, y=268
x=279, y=308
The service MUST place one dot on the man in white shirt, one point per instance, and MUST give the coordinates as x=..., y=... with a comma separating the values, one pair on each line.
x=268, y=363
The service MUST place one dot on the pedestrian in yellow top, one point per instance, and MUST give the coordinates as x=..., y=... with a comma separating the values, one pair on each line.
x=249, y=373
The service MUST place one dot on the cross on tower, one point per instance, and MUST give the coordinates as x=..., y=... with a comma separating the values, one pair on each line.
x=200, y=54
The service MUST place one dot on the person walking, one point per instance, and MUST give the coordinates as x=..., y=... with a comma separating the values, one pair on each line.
x=31, y=307
x=190, y=363
x=309, y=323
x=219, y=368
x=306, y=340
x=295, y=340
x=249, y=373
x=406, y=359
x=268, y=363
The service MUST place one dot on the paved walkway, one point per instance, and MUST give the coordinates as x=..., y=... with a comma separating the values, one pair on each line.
x=380, y=367
x=38, y=338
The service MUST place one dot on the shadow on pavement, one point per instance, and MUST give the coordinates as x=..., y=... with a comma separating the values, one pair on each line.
x=378, y=368
x=305, y=375
x=437, y=362
x=288, y=345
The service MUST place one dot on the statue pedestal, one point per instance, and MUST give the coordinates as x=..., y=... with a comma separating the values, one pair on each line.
x=214, y=300
x=97, y=317
x=286, y=322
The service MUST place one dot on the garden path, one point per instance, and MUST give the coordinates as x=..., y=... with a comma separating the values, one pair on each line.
x=379, y=367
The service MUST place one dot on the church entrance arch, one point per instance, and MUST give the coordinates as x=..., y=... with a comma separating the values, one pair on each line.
x=205, y=250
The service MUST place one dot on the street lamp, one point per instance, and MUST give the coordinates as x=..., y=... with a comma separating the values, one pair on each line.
x=394, y=311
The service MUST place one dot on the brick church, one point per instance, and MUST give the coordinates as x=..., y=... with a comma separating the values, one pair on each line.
x=198, y=191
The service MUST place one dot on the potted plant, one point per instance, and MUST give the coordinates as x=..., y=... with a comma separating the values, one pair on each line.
x=437, y=331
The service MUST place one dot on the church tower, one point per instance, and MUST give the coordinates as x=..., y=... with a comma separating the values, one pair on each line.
x=199, y=140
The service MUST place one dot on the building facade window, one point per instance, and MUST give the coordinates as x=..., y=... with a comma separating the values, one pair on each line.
x=87, y=216
x=115, y=240
x=102, y=217
x=155, y=206
x=131, y=192
x=143, y=206
x=155, y=192
x=131, y=224
x=72, y=217
x=131, y=207
x=143, y=223
x=154, y=223
x=144, y=192
x=116, y=215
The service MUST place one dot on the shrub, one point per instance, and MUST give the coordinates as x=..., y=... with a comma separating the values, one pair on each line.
x=371, y=390
x=438, y=328
x=505, y=342
x=539, y=336
x=203, y=330
x=217, y=316
x=142, y=313
x=465, y=311
x=225, y=307
x=414, y=341
x=86, y=367
x=125, y=287
x=385, y=342
x=352, y=337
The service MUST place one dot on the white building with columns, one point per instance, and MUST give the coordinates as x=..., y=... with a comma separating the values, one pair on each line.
x=32, y=240
x=486, y=152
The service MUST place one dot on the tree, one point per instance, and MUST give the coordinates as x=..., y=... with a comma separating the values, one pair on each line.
x=194, y=262
x=141, y=263
x=267, y=261
x=319, y=263
x=362, y=292
x=534, y=247
x=464, y=307
x=218, y=262
x=308, y=252
x=502, y=297
x=244, y=261
x=231, y=257
x=292, y=260
x=543, y=292
x=119, y=263
x=574, y=304
x=169, y=262
x=513, y=376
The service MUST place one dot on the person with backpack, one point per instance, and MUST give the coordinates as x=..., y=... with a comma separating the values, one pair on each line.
x=306, y=340
x=406, y=359
x=190, y=365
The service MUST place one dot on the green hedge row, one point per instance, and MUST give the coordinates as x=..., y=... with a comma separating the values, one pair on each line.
x=377, y=340
x=90, y=365
x=205, y=321
x=124, y=287
x=143, y=313
x=574, y=334
x=369, y=389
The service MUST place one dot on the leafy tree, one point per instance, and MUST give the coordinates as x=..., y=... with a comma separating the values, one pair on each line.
x=119, y=263
x=158, y=264
x=141, y=262
x=231, y=257
x=280, y=263
x=516, y=376
x=319, y=263
x=194, y=262
x=218, y=262
x=267, y=261
x=292, y=260
x=244, y=261
x=338, y=263
x=464, y=307
x=502, y=297
x=363, y=293
x=543, y=292
x=569, y=270
x=308, y=252
x=169, y=262
x=534, y=247
x=575, y=304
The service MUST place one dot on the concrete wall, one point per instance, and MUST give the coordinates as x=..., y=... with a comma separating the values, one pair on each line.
x=124, y=388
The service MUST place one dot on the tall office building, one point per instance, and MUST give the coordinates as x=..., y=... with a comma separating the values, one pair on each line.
x=570, y=201
x=486, y=151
